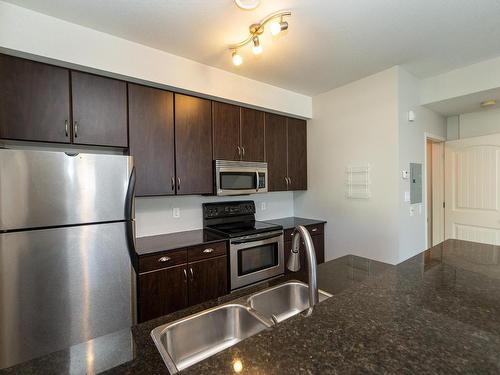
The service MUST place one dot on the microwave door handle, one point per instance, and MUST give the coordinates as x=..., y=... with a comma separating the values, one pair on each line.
x=257, y=180
x=237, y=242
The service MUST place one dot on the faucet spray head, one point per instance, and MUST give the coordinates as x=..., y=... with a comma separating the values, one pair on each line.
x=293, y=263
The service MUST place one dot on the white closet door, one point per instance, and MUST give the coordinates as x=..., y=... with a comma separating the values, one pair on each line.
x=472, y=189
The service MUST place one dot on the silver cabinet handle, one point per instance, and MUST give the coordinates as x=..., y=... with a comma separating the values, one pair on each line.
x=286, y=180
x=75, y=129
x=192, y=273
x=173, y=183
x=178, y=183
x=257, y=180
x=239, y=150
x=243, y=150
x=314, y=230
x=185, y=275
x=164, y=259
x=289, y=180
x=66, y=127
x=208, y=251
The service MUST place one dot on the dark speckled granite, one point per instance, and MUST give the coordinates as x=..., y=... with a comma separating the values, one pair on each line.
x=173, y=241
x=437, y=313
x=292, y=221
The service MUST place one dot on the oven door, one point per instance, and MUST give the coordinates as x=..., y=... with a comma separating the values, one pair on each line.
x=255, y=258
x=238, y=178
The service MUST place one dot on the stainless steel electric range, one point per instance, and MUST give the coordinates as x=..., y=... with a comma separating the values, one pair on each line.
x=256, y=247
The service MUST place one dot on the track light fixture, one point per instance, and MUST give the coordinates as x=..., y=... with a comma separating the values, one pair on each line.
x=277, y=25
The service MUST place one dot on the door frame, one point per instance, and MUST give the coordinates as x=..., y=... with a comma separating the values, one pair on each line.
x=436, y=139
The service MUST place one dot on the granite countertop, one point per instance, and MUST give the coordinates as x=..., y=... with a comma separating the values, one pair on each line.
x=292, y=221
x=438, y=312
x=173, y=241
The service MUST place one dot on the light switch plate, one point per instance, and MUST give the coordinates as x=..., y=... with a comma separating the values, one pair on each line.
x=176, y=212
x=404, y=175
x=407, y=196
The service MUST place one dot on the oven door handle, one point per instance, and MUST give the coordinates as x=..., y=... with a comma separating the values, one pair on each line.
x=238, y=242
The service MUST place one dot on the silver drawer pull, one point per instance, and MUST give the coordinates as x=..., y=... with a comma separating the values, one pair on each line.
x=314, y=230
x=208, y=251
x=164, y=259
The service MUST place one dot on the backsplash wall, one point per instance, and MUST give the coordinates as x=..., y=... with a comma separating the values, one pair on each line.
x=154, y=215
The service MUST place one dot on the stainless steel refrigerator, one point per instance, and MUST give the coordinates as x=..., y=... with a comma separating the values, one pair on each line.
x=66, y=239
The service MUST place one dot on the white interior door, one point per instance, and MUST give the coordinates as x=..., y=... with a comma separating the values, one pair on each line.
x=472, y=189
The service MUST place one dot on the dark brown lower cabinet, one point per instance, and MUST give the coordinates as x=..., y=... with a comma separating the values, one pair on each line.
x=208, y=280
x=162, y=292
x=166, y=290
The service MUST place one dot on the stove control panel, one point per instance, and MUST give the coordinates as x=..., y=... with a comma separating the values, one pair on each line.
x=226, y=209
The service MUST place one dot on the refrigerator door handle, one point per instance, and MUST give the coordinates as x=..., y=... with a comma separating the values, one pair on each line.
x=129, y=200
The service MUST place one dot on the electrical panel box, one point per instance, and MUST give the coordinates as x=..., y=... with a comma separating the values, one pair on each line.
x=415, y=183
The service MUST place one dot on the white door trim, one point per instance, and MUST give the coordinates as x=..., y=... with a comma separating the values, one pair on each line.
x=436, y=138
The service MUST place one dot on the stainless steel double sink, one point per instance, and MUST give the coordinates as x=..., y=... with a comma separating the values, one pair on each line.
x=189, y=340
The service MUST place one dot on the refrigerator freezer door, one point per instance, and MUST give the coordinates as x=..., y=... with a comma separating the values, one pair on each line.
x=46, y=188
x=63, y=286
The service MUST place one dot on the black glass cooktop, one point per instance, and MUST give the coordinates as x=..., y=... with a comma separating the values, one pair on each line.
x=244, y=228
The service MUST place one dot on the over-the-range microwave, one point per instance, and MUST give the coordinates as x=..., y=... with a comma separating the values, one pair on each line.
x=240, y=177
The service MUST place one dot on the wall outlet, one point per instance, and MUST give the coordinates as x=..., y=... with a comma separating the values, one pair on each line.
x=412, y=211
x=176, y=212
x=263, y=206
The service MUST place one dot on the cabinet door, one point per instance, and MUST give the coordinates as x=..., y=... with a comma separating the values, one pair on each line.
x=162, y=292
x=193, y=145
x=208, y=279
x=276, y=151
x=34, y=101
x=99, y=110
x=297, y=154
x=319, y=247
x=252, y=135
x=151, y=132
x=226, y=131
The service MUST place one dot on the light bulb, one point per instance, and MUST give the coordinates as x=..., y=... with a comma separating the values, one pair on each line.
x=275, y=27
x=257, y=47
x=257, y=50
x=237, y=59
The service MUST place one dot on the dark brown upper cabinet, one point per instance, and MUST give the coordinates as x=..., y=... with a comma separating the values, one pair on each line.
x=238, y=133
x=226, y=131
x=99, y=110
x=34, y=101
x=297, y=154
x=276, y=152
x=151, y=139
x=286, y=153
x=193, y=145
x=252, y=135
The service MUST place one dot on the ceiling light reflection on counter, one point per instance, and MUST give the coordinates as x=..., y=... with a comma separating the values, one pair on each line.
x=277, y=25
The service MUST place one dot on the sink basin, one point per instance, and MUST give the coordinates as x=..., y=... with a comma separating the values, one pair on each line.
x=284, y=300
x=189, y=340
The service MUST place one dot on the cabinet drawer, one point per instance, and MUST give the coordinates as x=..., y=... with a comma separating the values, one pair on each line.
x=313, y=229
x=206, y=251
x=162, y=260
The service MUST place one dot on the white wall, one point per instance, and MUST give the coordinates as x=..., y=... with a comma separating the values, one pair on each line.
x=412, y=149
x=474, y=124
x=30, y=34
x=353, y=124
x=154, y=215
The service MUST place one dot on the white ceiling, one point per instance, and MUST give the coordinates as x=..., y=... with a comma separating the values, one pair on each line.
x=466, y=103
x=329, y=43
